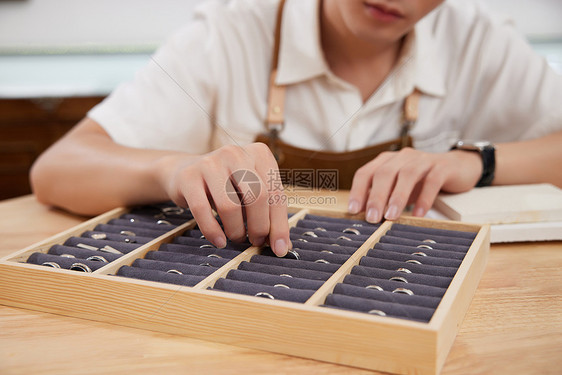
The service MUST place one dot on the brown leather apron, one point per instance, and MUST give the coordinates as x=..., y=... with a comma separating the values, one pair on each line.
x=321, y=169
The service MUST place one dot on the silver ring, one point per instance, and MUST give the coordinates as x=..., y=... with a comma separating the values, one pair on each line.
x=399, y=278
x=132, y=220
x=67, y=256
x=128, y=240
x=301, y=240
x=111, y=250
x=344, y=238
x=424, y=247
x=173, y=210
x=97, y=258
x=281, y=286
x=429, y=240
x=402, y=269
x=87, y=247
x=294, y=254
x=357, y=225
x=80, y=267
x=214, y=256
x=376, y=287
x=413, y=261
x=335, y=244
x=419, y=253
x=264, y=295
x=163, y=222
x=377, y=312
x=175, y=271
x=351, y=230
x=310, y=234
x=327, y=251
x=51, y=264
x=324, y=261
x=127, y=233
x=202, y=237
x=286, y=275
x=207, y=264
x=207, y=246
x=320, y=229
x=98, y=236
x=404, y=291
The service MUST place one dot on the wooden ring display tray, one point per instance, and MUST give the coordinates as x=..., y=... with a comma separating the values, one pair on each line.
x=299, y=329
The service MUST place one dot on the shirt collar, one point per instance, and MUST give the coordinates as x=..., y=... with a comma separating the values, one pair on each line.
x=301, y=57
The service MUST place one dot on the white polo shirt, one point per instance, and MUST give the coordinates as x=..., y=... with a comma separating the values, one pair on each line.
x=207, y=85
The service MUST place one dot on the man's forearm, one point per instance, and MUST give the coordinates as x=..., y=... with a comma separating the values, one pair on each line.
x=87, y=173
x=535, y=161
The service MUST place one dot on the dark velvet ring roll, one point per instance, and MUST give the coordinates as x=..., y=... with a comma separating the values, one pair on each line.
x=408, y=249
x=388, y=285
x=405, y=257
x=120, y=246
x=152, y=220
x=63, y=262
x=413, y=278
x=344, y=250
x=423, y=269
x=335, y=227
x=167, y=213
x=310, y=256
x=110, y=228
x=185, y=258
x=141, y=224
x=292, y=263
x=387, y=296
x=396, y=310
x=196, y=250
x=81, y=253
x=437, y=246
x=159, y=276
x=329, y=234
x=339, y=220
x=434, y=231
x=167, y=256
x=423, y=236
x=117, y=237
x=251, y=289
x=324, y=240
x=187, y=269
x=192, y=241
x=277, y=270
x=271, y=280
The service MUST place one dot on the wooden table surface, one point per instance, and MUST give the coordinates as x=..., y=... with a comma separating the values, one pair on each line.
x=513, y=326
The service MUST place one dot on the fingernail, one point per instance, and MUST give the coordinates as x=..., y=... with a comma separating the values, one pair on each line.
x=280, y=248
x=353, y=207
x=372, y=215
x=258, y=241
x=419, y=211
x=220, y=242
x=392, y=212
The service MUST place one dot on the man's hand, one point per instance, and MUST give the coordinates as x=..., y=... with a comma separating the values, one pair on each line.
x=385, y=185
x=210, y=181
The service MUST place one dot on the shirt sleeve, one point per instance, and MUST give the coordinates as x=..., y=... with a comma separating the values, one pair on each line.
x=169, y=104
x=514, y=94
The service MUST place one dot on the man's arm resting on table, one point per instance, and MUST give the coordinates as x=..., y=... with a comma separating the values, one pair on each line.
x=88, y=173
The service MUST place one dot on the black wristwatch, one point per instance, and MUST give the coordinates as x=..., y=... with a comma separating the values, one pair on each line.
x=488, y=153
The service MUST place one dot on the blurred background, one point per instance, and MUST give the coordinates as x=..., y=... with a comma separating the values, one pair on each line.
x=58, y=58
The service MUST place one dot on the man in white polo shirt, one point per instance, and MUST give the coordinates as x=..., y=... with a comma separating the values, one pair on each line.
x=189, y=119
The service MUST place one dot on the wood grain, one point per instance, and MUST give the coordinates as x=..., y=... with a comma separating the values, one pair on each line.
x=513, y=325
